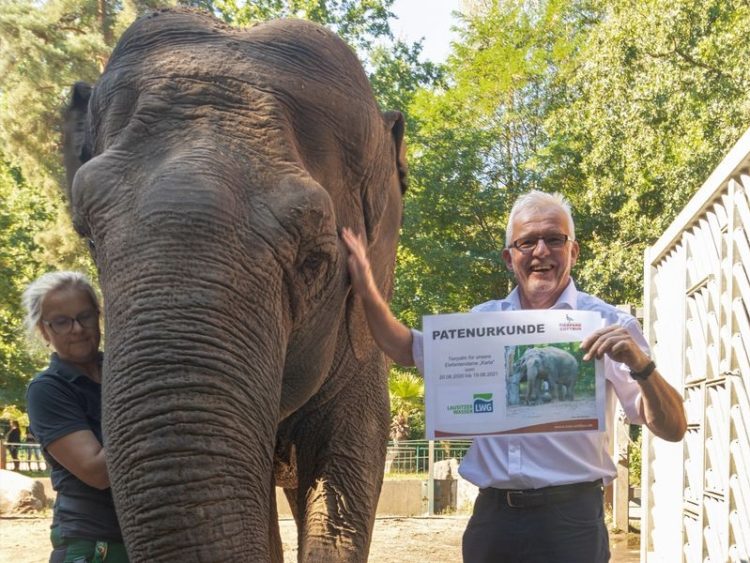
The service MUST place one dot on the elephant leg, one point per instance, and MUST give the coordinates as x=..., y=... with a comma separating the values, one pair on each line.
x=341, y=459
x=529, y=386
x=276, y=548
x=533, y=389
x=538, y=390
x=292, y=497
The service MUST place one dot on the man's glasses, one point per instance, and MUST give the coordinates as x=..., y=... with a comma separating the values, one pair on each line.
x=527, y=245
x=64, y=325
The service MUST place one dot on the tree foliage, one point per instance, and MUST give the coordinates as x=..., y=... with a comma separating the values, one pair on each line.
x=660, y=94
x=23, y=213
x=44, y=48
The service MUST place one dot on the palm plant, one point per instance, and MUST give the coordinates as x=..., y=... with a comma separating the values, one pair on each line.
x=406, y=391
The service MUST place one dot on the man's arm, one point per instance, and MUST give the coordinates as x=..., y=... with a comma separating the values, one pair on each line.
x=661, y=405
x=393, y=337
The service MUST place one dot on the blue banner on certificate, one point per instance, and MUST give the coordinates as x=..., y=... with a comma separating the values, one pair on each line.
x=513, y=372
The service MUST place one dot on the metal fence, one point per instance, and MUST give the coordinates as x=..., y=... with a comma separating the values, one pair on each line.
x=28, y=456
x=413, y=456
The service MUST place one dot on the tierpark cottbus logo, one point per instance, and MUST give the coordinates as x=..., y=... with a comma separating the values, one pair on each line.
x=570, y=324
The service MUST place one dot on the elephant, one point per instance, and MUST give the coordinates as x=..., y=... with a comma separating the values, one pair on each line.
x=211, y=169
x=544, y=369
x=520, y=374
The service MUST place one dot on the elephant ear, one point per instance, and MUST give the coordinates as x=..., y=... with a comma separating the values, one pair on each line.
x=376, y=203
x=395, y=120
x=374, y=198
x=76, y=146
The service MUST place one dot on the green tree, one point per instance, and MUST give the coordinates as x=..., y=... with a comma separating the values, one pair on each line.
x=23, y=212
x=359, y=22
x=44, y=48
x=397, y=74
x=660, y=94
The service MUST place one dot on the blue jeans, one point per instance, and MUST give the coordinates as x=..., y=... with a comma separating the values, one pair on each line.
x=572, y=531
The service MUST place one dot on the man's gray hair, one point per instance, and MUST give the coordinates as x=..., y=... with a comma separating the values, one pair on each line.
x=37, y=290
x=536, y=200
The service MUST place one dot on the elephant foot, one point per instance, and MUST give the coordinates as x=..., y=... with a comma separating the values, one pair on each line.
x=285, y=466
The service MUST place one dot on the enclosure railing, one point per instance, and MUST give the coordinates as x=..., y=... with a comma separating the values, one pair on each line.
x=28, y=456
x=413, y=456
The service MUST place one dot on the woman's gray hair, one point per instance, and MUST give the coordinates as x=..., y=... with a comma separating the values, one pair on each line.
x=37, y=290
x=536, y=200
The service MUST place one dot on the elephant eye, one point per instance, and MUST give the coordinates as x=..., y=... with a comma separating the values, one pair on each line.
x=314, y=266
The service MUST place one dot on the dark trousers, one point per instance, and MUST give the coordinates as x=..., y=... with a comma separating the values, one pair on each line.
x=73, y=550
x=572, y=531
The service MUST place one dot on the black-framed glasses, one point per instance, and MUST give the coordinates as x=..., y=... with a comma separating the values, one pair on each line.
x=64, y=325
x=528, y=244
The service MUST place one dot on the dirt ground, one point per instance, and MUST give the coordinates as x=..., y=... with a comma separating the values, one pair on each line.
x=395, y=540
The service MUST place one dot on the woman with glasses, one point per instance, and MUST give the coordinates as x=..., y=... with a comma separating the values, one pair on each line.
x=64, y=406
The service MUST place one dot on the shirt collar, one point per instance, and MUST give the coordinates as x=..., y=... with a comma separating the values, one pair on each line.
x=568, y=298
x=64, y=369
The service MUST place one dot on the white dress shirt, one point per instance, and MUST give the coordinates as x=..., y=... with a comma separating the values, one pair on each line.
x=531, y=461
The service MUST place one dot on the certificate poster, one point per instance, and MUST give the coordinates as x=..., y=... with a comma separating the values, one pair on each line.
x=513, y=372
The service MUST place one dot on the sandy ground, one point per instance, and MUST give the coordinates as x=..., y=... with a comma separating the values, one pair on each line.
x=395, y=540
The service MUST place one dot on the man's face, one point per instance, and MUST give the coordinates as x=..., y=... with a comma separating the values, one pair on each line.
x=542, y=274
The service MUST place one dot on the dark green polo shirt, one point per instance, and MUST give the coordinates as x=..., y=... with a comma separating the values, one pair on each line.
x=62, y=400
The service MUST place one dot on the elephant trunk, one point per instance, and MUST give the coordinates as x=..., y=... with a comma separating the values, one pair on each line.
x=191, y=397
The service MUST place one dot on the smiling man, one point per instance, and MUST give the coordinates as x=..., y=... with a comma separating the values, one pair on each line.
x=540, y=495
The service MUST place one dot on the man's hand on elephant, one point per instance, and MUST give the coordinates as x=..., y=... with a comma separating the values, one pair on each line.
x=616, y=342
x=393, y=337
x=358, y=263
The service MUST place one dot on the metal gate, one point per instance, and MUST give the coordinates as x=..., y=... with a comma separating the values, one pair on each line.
x=696, y=494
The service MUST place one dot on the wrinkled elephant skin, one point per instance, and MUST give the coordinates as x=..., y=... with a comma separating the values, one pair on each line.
x=212, y=168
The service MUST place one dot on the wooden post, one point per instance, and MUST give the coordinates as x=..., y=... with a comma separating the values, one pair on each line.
x=431, y=479
x=619, y=435
x=621, y=487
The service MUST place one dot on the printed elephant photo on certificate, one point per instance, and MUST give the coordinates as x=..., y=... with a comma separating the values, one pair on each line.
x=547, y=373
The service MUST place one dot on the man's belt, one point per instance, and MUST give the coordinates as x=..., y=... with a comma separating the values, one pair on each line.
x=532, y=498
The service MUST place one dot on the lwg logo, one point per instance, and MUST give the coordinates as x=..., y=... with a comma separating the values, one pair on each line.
x=483, y=402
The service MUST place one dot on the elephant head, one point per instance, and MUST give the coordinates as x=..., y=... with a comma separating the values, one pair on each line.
x=211, y=169
x=531, y=368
